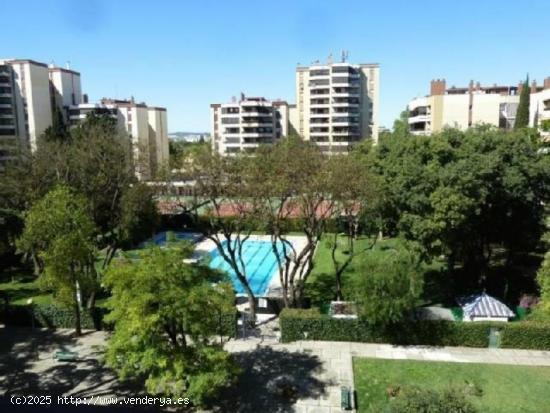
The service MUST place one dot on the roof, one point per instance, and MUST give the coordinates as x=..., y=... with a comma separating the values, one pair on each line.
x=483, y=305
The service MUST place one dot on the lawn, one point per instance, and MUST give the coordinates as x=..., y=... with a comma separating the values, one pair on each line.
x=505, y=389
x=20, y=286
x=321, y=285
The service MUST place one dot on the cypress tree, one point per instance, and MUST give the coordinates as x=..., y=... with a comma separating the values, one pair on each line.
x=522, y=115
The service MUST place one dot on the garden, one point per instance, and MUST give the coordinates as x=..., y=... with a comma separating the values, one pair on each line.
x=489, y=388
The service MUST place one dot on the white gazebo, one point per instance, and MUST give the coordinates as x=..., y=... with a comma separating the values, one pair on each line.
x=483, y=307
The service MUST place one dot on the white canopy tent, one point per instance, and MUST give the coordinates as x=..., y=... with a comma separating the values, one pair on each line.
x=483, y=307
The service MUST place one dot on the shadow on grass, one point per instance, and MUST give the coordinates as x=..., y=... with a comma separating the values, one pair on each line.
x=254, y=391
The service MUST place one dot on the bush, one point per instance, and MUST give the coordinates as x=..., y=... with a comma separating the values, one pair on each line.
x=51, y=316
x=311, y=325
x=48, y=315
x=450, y=400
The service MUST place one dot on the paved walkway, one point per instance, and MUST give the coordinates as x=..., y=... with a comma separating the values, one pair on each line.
x=336, y=370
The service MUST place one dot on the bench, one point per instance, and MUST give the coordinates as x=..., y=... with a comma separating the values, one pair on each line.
x=65, y=355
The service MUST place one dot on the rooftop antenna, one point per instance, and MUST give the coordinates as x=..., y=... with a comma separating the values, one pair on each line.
x=68, y=64
x=344, y=56
x=233, y=99
x=329, y=59
x=52, y=63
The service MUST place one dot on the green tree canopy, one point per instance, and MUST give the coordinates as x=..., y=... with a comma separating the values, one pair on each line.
x=166, y=314
x=59, y=232
x=388, y=288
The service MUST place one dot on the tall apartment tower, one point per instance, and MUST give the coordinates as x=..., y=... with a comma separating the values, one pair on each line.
x=25, y=104
x=337, y=104
x=463, y=107
x=244, y=125
x=65, y=89
x=146, y=126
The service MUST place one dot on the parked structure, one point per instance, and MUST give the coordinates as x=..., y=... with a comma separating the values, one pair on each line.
x=244, y=125
x=464, y=107
x=483, y=307
x=337, y=104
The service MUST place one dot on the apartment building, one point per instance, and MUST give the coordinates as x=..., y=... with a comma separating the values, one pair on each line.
x=337, y=104
x=25, y=104
x=147, y=127
x=65, y=89
x=539, y=109
x=463, y=107
x=245, y=124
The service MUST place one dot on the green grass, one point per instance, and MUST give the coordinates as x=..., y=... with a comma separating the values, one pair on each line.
x=21, y=287
x=505, y=389
x=321, y=284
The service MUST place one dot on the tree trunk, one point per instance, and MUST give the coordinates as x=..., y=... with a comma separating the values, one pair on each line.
x=339, y=295
x=76, y=304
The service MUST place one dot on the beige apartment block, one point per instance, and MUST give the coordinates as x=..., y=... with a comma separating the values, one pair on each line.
x=245, y=124
x=337, y=104
x=25, y=104
x=539, y=109
x=65, y=89
x=158, y=137
x=464, y=107
x=146, y=126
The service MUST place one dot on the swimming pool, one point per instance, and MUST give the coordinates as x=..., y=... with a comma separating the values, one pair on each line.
x=160, y=238
x=260, y=263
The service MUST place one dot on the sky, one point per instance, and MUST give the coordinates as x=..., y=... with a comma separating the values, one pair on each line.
x=185, y=55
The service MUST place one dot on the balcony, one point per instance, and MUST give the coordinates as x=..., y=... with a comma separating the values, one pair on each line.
x=419, y=119
x=320, y=103
x=343, y=120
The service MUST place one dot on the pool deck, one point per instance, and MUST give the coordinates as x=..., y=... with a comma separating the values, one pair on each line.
x=274, y=290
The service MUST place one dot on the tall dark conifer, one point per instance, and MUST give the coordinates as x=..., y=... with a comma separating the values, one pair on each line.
x=522, y=115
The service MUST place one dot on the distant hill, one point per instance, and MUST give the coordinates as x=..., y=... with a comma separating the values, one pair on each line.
x=189, y=136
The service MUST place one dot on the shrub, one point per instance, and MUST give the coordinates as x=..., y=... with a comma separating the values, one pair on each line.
x=51, y=316
x=311, y=325
x=450, y=400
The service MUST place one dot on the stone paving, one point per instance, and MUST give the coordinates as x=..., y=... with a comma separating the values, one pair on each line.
x=337, y=369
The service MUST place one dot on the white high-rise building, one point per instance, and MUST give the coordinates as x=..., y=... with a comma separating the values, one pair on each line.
x=146, y=126
x=337, y=104
x=65, y=89
x=244, y=125
x=25, y=104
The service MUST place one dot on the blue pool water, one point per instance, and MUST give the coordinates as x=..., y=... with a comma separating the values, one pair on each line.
x=160, y=238
x=260, y=263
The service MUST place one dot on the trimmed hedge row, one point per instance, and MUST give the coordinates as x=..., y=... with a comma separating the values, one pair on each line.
x=51, y=316
x=311, y=325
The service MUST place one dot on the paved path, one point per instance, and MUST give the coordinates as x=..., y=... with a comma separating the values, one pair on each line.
x=335, y=359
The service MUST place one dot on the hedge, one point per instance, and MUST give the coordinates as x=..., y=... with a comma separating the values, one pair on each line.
x=51, y=316
x=311, y=325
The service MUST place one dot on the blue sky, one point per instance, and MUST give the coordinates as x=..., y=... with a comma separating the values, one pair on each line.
x=187, y=54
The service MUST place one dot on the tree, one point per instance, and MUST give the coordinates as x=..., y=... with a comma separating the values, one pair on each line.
x=96, y=160
x=59, y=231
x=354, y=191
x=388, y=288
x=464, y=195
x=290, y=183
x=225, y=208
x=165, y=314
x=543, y=280
x=522, y=114
x=57, y=131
